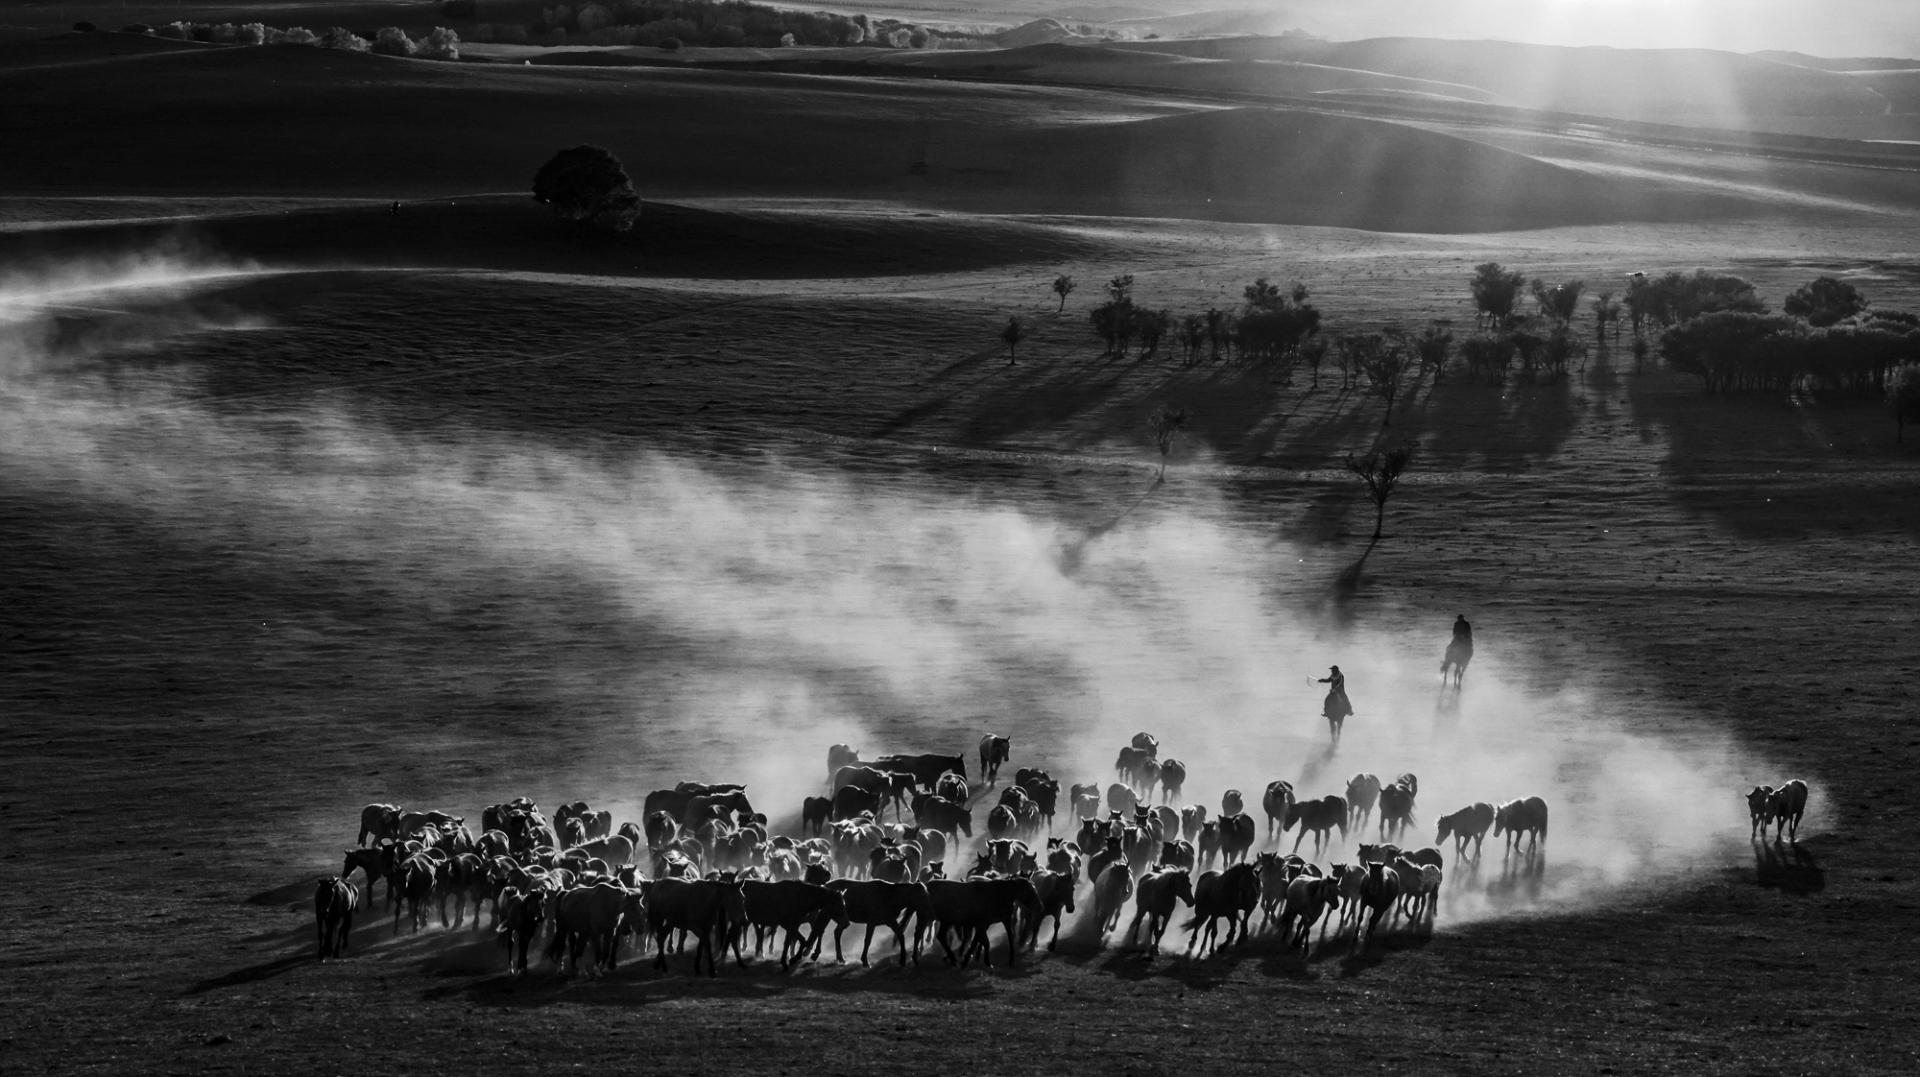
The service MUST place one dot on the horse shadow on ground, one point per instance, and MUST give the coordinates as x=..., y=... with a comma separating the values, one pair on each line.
x=1787, y=867
x=1355, y=959
x=477, y=971
x=1317, y=765
x=1523, y=876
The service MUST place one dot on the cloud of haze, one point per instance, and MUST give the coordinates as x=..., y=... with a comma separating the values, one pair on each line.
x=891, y=613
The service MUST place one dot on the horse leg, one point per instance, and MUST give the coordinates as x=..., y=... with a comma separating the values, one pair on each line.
x=865, y=946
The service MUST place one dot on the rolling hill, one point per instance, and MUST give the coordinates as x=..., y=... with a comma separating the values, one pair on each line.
x=314, y=121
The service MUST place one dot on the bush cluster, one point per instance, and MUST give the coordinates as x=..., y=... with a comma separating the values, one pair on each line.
x=438, y=44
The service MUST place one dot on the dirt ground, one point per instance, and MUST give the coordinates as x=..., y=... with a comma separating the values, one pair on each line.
x=325, y=512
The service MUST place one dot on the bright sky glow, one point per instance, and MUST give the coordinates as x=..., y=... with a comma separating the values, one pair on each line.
x=1820, y=27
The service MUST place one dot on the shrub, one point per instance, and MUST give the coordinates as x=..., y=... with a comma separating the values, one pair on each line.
x=226, y=34
x=84, y=27
x=296, y=35
x=180, y=31
x=440, y=43
x=393, y=41
x=136, y=28
x=670, y=44
x=201, y=32
x=339, y=37
x=252, y=33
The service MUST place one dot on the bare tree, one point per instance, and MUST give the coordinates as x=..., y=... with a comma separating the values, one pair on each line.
x=1381, y=470
x=1384, y=361
x=1167, y=424
x=1063, y=286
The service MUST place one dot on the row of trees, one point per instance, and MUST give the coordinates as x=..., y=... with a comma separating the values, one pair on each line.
x=1273, y=324
x=1711, y=325
x=439, y=43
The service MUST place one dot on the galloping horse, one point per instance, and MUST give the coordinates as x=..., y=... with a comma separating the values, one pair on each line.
x=1459, y=653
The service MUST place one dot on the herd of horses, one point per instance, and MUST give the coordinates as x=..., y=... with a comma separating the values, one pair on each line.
x=703, y=866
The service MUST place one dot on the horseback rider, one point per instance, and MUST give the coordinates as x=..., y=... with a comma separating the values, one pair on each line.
x=1337, y=707
x=1459, y=652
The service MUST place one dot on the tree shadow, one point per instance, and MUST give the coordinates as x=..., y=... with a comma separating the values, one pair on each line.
x=1777, y=469
x=1507, y=427
x=1787, y=867
x=1336, y=603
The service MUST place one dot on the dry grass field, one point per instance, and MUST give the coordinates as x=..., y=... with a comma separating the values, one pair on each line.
x=308, y=505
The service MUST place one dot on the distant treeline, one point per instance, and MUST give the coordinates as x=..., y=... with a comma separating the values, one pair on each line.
x=439, y=43
x=711, y=23
x=1714, y=326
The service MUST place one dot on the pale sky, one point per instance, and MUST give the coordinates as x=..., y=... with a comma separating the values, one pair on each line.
x=1821, y=27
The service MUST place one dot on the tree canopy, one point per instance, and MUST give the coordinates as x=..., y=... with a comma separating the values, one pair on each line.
x=1824, y=301
x=1495, y=291
x=587, y=185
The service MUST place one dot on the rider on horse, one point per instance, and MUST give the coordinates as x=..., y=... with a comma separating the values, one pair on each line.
x=1459, y=652
x=1337, y=707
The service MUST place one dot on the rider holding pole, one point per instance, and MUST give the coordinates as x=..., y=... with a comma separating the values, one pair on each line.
x=1337, y=707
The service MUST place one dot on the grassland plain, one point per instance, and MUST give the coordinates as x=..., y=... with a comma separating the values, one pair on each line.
x=459, y=515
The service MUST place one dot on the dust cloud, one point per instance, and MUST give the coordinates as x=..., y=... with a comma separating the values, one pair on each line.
x=887, y=612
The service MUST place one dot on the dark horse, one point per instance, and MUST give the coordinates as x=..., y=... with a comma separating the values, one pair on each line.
x=1454, y=665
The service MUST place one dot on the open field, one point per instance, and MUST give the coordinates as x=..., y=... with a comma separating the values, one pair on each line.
x=309, y=505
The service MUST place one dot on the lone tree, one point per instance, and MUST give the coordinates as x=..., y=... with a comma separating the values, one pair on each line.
x=587, y=186
x=1167, y=424
x=1063, y=286
x=1495, y=291
x=1013, y=334
x=1380, y=470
